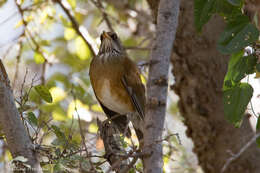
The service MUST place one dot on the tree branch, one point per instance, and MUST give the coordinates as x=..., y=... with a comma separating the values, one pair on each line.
x=77, y=28
x=113, y=148
x=241, y=151
x=167, y=21
x=17, y=138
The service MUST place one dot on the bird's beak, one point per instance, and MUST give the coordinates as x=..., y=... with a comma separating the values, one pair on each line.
x=105, y=35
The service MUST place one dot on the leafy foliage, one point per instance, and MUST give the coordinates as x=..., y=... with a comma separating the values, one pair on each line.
x=236, y=100
x=238, y=34
x=44, y=93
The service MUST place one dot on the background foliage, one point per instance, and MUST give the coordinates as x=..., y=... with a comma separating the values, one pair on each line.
x=48, y=61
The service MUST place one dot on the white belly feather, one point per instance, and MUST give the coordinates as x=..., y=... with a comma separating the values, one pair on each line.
x=111, y=101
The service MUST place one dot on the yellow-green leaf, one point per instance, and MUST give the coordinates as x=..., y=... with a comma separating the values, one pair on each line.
x=44, y=93
x=69, y=33
x=72, y=3
x=38, y=58
x=93, y=128
x=19, y=24
x=82, y=49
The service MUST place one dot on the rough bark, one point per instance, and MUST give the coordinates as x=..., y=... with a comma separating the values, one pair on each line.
x=157, y=85
x=113, y=149
x=16, y=136
x=199, y=70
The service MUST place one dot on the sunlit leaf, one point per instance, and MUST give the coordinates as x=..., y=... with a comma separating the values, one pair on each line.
x=97, y=108
x=143, y=79
x=59, y=115
x=72, y=3
x=82, y=49
x=69, y=33
x=75, y=108
x=64, y=21
x=93, y=128
x=38, y=58
x=19, y=24
x=44, y=93
x=57, y=94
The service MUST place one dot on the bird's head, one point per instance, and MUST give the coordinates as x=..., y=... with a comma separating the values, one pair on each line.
x=110, y=44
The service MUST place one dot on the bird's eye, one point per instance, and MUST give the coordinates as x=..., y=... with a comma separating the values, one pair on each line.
x=114, y=36
x=101, y=38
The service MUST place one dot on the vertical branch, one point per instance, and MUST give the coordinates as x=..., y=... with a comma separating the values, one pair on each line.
x=18, y=141
x=167, y=21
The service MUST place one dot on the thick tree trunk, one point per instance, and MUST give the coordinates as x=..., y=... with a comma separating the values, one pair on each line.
x=17, y=139
x=199, y=71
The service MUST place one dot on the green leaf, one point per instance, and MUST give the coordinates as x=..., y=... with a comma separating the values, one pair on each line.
x=237, y=35
x=227, y=10
x=32, y=118
x=235, y=2
x=44, y=93
x=258, y=67
x=203, y=10
x=258, y=142
x=245, y=65
x=258, y=124
x=235, y=101
x=57, y=167
x=58, y=132
x=38, y=58
x=228, y=83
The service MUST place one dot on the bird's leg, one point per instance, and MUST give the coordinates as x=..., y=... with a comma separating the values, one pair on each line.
x=126, y=127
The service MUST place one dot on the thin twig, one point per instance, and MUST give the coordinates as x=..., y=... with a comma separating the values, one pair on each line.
x=241, y=151
x=100, y=7
x=18, y=58
x=75, y=25
x=81, y=131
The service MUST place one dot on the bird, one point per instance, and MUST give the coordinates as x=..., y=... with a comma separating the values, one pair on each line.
x=117, y=85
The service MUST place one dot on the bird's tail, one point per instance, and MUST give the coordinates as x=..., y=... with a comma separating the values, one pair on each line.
x=138, y=124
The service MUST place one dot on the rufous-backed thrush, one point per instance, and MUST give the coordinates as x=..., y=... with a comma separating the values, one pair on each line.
x=117, y=85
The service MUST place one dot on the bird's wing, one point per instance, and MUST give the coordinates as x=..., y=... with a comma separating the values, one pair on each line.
x=134, y=87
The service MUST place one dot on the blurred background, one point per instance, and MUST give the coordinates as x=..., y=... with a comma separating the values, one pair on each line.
x=44, y=42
